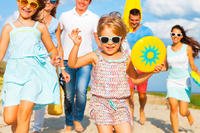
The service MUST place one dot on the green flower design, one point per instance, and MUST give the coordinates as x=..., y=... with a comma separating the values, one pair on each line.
x=150, y=55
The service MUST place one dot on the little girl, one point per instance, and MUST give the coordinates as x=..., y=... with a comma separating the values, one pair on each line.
x=30, y=81
x=109, y=106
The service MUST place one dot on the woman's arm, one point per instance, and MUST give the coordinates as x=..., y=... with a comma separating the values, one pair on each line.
x=4, y=40
x=46, y=39
x=191, y=60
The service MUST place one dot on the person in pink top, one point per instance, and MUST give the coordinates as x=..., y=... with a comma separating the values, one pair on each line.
x=109, y=106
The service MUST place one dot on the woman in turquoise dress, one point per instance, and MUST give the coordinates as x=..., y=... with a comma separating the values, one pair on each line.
x=30, y=80
x=180, y=55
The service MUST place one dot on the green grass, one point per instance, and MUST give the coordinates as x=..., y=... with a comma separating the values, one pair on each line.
x=194, y=100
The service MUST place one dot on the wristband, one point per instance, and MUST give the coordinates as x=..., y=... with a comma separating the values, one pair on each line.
x=62, y=68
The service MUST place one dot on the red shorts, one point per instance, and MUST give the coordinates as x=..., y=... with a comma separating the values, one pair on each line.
x=141, y=88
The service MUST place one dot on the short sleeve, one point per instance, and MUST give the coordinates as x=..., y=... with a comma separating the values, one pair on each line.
x=61, y=22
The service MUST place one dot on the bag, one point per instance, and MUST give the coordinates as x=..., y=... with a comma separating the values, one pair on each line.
x=56, y=109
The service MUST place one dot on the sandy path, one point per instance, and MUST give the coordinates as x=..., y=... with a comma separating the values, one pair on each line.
x=157, y=120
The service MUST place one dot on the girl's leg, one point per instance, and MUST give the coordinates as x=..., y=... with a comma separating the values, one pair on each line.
x=24, y=116
x=123, y=128
x=105, y=128
x=10, y=116
x=131, y=102
x=38, y=119
x=174, y=113
x=184, y=111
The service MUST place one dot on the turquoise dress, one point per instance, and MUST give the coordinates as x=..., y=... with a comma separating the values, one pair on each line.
x=29, y=74
x=178, y=81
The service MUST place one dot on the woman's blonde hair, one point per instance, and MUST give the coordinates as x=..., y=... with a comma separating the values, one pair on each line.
x=112, y=20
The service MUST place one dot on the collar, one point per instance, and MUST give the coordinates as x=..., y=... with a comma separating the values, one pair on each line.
x=84, y=14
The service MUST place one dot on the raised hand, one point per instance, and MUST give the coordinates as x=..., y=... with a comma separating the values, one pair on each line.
x=77, y=39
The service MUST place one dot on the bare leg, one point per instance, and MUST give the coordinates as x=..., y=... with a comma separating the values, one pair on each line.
x=184, y=111
x=123, y=128
x=105, y=128
x=142, y=101
x=10, y=116
x=131, y=102
x=24, y=116
x=174, y=113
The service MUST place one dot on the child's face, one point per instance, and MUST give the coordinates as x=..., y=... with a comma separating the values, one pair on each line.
x=27, y=8
x=110, y=42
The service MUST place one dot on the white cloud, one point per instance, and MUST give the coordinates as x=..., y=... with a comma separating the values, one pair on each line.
x=0, y=18
x=162, y=28
x=13, y=17
x=172, y=7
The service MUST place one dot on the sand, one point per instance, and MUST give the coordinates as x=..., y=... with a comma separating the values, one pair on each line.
x=157, y=114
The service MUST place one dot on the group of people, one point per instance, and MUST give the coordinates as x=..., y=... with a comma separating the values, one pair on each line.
x=39, y=44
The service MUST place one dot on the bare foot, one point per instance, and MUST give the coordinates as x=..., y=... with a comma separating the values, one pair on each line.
x=68, y=129
x=142, y=117
x=78, y=127
x=190, y=119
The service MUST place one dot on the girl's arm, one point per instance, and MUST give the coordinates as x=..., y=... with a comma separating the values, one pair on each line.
x=4, y=40
x=74, y=61
x=137, y=79
x=191, y=60
x=46, y=39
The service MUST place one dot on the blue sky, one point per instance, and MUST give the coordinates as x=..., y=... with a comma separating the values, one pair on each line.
x=159, y=15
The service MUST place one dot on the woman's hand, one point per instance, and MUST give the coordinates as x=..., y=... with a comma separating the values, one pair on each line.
x=77, y=39
x=66, y=76
x=55, y=61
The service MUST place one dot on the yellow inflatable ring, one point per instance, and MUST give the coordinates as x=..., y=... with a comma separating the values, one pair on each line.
x=148, y=52
x=195, y=77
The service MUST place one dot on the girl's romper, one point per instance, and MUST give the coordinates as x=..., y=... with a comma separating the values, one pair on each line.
x=110, y=91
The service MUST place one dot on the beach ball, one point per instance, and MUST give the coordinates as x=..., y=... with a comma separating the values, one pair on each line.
x=148, y=52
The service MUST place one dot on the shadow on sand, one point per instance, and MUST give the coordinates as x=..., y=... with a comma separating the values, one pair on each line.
x=57, y=124
x=165, y=126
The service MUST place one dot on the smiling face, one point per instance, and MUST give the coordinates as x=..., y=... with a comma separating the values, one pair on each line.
x=134, y=21
x=27, y=8
x=110, y=46
x=50, y=4
x=82, y=5
x=176, y=36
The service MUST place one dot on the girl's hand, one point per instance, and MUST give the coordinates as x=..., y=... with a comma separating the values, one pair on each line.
x=56, y=61
x=77, y=39
x=159, y=68
x=66, y=76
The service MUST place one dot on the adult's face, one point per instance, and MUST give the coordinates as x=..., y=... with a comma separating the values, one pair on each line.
x=82, y=5
x=176, y=36
x=134, y=21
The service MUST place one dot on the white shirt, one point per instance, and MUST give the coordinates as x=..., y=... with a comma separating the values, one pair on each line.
x=87, y=23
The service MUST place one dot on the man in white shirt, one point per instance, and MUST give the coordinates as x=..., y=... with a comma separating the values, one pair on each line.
x=75, y=91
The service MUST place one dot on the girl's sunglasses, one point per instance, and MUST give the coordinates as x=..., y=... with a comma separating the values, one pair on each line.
x=32, y=4
x=176, y=34
x=106, y=39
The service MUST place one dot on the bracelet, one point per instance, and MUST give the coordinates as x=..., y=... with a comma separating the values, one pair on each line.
x=62, y=68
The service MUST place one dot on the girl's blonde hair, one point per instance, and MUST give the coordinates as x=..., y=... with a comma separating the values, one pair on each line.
x=112, y=20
